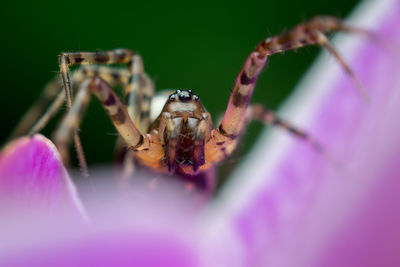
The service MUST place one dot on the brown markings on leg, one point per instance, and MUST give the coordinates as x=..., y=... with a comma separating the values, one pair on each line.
x=304, y=34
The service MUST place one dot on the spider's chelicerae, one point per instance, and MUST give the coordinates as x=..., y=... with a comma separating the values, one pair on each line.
x=180, y=140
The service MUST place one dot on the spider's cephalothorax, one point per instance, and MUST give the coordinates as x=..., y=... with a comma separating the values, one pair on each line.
x=183, y=126
x=180, y=140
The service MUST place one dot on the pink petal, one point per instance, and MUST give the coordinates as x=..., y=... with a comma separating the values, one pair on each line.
x=32, y=175
x=289, y=206
x=126, y=230
x=112, y=248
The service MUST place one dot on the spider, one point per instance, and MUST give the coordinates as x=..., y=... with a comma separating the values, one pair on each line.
x=180, y=140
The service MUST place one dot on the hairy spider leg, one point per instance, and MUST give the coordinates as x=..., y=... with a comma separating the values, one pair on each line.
x=118, y=115
x=117, y=56
x=66, y=60
x=114, y=76
x=138, y=94
x=53, y=96
x=224, y=138
x=48, y=95
x=259, y=113
x=37, y=117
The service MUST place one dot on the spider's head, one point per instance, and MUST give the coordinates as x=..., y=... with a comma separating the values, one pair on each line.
x=184, y=96
x=183, y=102
x=185, y=127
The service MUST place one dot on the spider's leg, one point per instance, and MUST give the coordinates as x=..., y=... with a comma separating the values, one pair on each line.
x=69, y=127
x=126, y=155
x=137, y=97
x=37, y=118
x=52, y=98
x=224, y=138
x=264, y=115
x=78, y=58
x=66, y=60
x=118, y=56
x=138, y=94
x=115, y=110
x=50, y=92
x=323, y=40
x=50, y=112
x=113, y=76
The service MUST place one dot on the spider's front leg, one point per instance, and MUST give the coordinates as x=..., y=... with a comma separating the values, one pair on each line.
x=115, y=110
x=117, y=56
x=138, y=95
x=66, y=60
x=224, y=138
x=53, y=96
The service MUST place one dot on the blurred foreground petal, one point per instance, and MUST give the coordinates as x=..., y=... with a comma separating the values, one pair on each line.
x=126, y=229
x=32, y=175
x=289, y=206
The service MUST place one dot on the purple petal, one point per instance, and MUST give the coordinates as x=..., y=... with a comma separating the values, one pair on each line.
x=125, y=230
x=112, y=248
x=285, y=207
x=32, y=175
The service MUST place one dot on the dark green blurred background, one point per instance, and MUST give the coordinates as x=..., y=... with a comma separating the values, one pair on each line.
x=190, y=44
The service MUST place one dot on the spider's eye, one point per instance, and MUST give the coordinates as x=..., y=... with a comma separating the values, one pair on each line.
x=185, y=96
x=172, y=97
x=196, y=97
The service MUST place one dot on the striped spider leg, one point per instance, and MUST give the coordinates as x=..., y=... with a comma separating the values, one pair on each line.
x=49, y=103
x=137, y=97
x=144, y=145
x=138, y=93
x=118, y=56
x=53, y=97
x=52, y=89
x=225, y=137
x=259, y=113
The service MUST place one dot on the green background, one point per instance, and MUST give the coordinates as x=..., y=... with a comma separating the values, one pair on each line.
x=199, y=45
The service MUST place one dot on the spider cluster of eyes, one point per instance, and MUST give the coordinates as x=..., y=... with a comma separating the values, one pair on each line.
x=184, y=96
